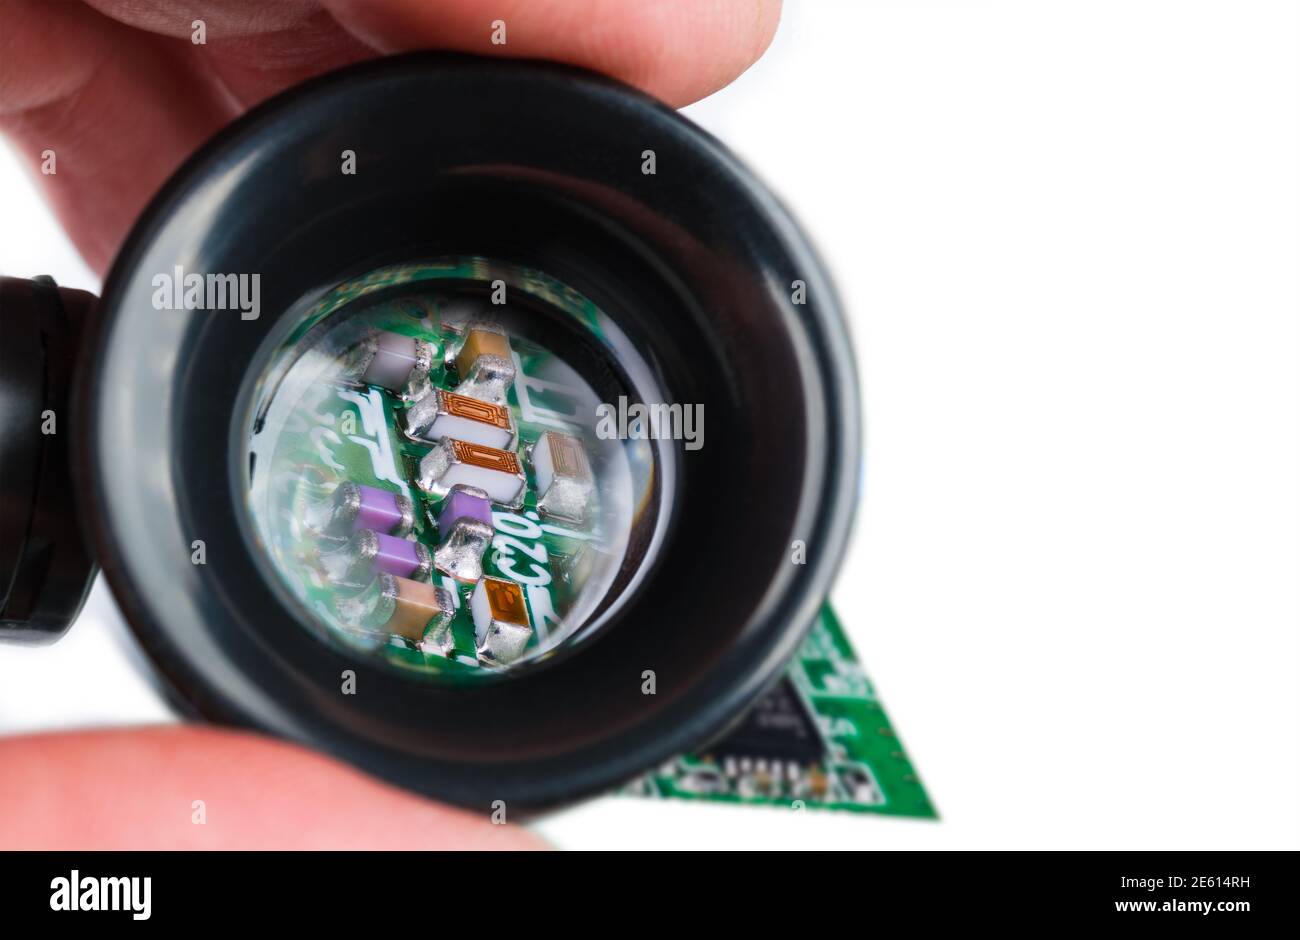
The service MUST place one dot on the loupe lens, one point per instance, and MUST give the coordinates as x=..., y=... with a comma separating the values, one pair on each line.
x=435, y=468
x=439, y=497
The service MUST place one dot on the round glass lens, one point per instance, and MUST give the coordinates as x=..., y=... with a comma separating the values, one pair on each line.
x=438, y=470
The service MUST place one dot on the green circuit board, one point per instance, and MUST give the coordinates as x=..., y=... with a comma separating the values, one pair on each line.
x=527, y=549
x=820, y=739
x=334, y=431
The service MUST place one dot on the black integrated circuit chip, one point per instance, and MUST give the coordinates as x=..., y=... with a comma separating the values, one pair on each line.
x=778, y=728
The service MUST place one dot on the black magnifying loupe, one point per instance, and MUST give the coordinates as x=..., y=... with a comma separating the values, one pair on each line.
x=484, y=424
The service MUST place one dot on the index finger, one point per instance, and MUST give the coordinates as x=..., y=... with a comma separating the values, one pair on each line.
x=122, y=96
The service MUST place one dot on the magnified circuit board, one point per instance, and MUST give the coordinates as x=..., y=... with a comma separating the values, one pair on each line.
x=430, y=483
x=819, y=739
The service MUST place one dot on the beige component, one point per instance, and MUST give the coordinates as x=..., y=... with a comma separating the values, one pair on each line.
x=480, y=342
x=419, y=605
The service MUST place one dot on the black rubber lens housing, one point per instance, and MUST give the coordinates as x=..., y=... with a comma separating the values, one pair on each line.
x=540, y=166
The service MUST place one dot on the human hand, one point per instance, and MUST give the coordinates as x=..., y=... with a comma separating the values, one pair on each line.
x=120, y=93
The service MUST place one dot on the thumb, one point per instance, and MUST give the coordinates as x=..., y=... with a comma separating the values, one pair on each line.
x=205, y=788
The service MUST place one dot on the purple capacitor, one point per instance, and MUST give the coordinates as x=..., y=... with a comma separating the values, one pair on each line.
x=379, y=510
x=398, y=557
x=462, y=503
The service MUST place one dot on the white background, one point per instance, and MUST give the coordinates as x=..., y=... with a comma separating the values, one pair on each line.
x=1067, y=235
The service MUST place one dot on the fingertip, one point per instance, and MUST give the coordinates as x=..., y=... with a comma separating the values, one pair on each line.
x=185, y=787
x=676, y=50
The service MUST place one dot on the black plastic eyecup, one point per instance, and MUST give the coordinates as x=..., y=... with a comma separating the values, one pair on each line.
x=45, y=568
x=539, y=166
